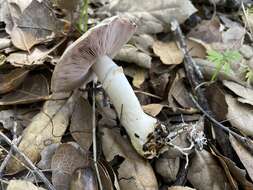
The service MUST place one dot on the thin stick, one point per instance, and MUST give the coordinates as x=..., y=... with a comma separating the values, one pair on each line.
x=94, y=136
x=29, y=162
x=244, y=140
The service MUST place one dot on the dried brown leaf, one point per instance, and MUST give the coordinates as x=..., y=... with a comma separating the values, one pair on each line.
x=153, y=16
x=244, y=92
x=138, y=74
x=153, y=109
x=36, y=56
x=134, y=172
x=169, y=53
x=46, y=156
x=84, y=179
x=233, y=172
x=35, y=88
x=12, y=80
x=66, y=160
x=208, y=31
x=240, y=115
x=81, y=123
x=168, y=168
x=205, y=173
x=130, y=54
x=30, y=30
x=46, y=128
x=21, y=185
x=244, y=155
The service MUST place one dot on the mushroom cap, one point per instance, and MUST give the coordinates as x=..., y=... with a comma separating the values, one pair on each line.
x=104, y=39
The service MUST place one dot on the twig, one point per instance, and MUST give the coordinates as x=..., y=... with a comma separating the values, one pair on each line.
x=8, y=157
x=244, y=140
x=94, y=135
x=195, y=78
x=28, y=162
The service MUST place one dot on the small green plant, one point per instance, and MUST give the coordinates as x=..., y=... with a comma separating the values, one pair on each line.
x=249, y=75
x=83, y=19
x=222, y=60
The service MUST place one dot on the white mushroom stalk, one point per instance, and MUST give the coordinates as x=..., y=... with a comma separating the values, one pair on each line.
x=95, y=49
x=138, y=124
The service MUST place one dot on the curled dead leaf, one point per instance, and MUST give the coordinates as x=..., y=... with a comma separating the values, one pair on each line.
x=12, y=80
x=34, y=88
x=66, y=160
x=134, y=172
x=46, y=128
x=81, y=123
x=169, y=53
x=21, y=185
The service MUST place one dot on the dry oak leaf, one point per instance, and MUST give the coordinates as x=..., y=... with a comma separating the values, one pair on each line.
x=134, y=173
x=153, y=16
x=46, y=128
x=244, y=155
x=32, y=22
x=66, y=160
x=205, y=173
x=21, y=185
x=169, y=53
x=240, y=115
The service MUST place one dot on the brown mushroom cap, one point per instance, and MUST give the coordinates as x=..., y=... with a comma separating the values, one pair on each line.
x=104, y=39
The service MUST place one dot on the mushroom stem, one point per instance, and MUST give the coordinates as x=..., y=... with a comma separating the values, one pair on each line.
x=138, y=124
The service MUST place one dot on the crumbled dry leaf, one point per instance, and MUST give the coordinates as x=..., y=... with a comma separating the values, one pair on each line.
x=35, y=88
x=244, y=155
x=104, y=171
x=234, y=36
x=81, y=123
x=169, y=53
x=12, y=80
x=2, y=59
x=84, y=179
x=159, y=83
x=66, y=160
x=138, y=74
x=134, y=172
x=21, y=185
x=180, y=94
x=4, y=43
x=208, y=31
x=180, y=188
x=143, y=42
x=168, y=168
x=233, y=172
x=153, y=16
x=139, y=77
x=205, y=173
x=6, y=118
x=130, y=54
x=46, y=128
x=240, y=115
x=37, y=56
x=70, y=6
x=216, y=99
x=196, y=48
x=244, y=92
x=46, y=156
x=29, y=30
x=153, y=109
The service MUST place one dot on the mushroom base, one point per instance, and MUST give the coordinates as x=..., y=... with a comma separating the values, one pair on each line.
x=140, y=127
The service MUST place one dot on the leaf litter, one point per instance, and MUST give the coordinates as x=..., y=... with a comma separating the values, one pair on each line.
x=56, y=130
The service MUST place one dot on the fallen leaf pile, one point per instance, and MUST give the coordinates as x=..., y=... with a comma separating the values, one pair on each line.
x=74, y=144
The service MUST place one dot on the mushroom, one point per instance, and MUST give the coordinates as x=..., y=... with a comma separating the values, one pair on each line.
x=94, y=50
